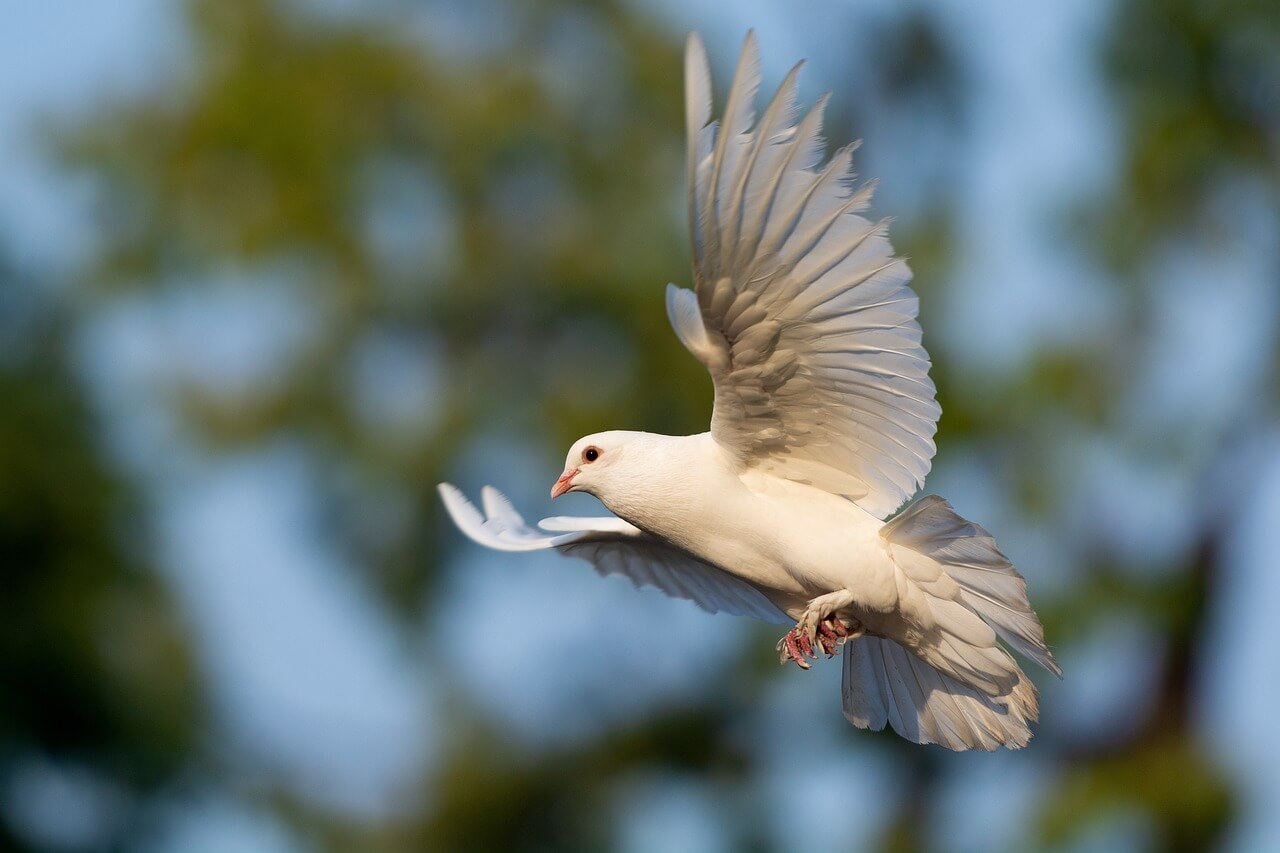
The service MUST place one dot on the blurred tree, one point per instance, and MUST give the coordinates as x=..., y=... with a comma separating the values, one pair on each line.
x=544, y=175
x=287, y=141
x=293, y=136
x=1199, y=86
x=99, y=696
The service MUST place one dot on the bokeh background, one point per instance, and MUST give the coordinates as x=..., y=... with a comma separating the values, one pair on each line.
x=271, y=269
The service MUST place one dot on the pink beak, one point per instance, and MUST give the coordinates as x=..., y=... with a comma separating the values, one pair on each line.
x=562, y=485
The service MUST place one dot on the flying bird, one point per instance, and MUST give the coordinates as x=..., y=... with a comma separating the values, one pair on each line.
x=822, y=429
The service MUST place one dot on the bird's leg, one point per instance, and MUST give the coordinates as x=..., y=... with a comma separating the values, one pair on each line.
x=819, y=627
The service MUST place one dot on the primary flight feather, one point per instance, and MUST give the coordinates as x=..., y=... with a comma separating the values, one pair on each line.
x=823, y=426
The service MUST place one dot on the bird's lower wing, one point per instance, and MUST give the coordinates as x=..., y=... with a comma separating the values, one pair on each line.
x=613, y=547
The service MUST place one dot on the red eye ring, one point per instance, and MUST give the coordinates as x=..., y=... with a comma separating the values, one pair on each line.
x=591, y=454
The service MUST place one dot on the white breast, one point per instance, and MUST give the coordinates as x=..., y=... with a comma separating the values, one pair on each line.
x=777, y=534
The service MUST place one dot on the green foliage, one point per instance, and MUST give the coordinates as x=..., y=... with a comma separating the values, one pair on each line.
x=1197, y=85
x=558, y=217
x=95, y=668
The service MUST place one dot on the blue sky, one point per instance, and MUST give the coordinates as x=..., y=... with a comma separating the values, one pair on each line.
x=316, y=688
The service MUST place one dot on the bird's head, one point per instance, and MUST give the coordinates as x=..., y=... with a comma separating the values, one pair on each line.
x=595, y=462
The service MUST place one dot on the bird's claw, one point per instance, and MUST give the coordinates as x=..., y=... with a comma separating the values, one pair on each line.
x=809, y=635
x=795, y=646
x=832, y=634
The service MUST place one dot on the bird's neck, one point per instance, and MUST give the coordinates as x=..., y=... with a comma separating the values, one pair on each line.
x=664, y=479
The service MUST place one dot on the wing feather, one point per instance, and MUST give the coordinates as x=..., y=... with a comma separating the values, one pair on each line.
x=614, y=547
x=807, y=321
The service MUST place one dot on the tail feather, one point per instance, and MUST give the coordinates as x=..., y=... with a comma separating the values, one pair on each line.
x=990, y=585
x=884, y=684
x=943, y=677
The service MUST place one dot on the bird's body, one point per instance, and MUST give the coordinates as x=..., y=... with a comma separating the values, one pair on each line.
x=790, y=540
x=823, y=428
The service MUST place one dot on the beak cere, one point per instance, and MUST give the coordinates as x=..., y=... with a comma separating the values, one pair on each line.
x=562, y=485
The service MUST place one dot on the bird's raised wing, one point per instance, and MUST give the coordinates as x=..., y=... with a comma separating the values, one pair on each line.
x=800, y=311
x=614, y=547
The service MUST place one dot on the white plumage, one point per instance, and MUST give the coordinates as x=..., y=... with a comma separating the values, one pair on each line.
x=823, y=426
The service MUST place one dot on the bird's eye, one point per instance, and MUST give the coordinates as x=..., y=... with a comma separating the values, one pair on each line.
x=591, y=454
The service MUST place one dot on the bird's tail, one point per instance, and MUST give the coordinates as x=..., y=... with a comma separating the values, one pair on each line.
x=957, y=687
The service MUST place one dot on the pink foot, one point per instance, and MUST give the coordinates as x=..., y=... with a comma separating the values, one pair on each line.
x=796, y=646
x=832, y=633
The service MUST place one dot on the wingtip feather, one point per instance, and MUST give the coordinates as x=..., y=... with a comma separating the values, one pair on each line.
x=498, y=505
x=464, y=514
x=697, y=81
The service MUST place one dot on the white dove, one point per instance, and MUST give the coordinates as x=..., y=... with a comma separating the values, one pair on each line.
x=823, y=426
